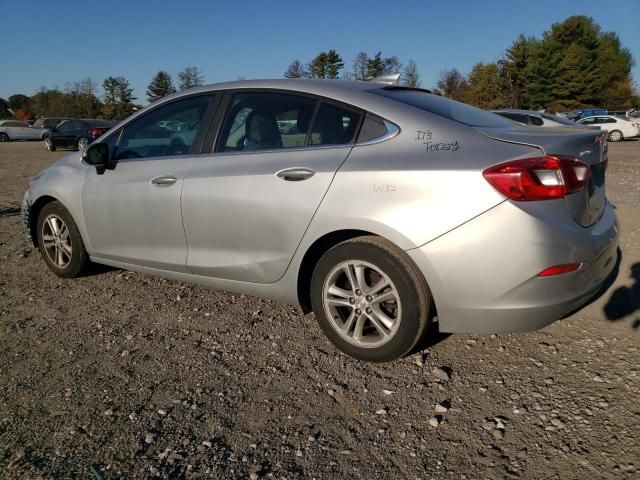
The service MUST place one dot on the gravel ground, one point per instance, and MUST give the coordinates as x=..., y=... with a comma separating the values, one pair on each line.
x=124, y=375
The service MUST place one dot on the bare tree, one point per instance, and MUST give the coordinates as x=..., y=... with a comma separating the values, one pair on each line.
x=296, y=70
x=410, y=75
x=360, y=63
x=190, y=77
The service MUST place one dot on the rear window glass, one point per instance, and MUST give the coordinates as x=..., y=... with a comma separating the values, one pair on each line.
x=444, y=107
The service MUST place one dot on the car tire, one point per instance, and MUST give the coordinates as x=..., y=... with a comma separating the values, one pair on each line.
x=4, y=137
x=82, y=143
x=59, y=241
x=615, y=136
x=369, y=322
x=48, y=144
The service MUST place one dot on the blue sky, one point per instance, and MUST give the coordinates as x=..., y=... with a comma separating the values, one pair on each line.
x=52, y=43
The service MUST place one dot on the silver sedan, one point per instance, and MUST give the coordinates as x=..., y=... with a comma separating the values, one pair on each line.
x=384, y=210
x=17, y=130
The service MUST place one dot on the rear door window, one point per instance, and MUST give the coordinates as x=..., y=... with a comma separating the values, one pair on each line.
x=266, y=121
x=334, y=125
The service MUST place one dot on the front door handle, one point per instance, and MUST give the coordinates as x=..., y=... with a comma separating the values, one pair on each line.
x=295, y=174
x=165, y=181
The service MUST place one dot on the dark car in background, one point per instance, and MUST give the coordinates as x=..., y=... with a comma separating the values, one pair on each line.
x=49, y=122
x=76, y=133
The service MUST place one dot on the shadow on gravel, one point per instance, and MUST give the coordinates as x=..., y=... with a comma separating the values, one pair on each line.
x=9, y=212
x=625, y=300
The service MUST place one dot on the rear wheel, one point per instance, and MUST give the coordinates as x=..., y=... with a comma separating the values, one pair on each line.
x=4, y=137
x=615, y=136
x=60, y=242
x=370, y=300
x=48, y=145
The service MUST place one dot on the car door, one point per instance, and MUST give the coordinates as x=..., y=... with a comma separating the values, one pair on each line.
x=132, y=209
x=63, y=134
x=246, y=206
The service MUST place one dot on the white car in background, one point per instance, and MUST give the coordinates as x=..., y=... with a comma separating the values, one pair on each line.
x=17, y=130
x=534, y=118
x=619, y=128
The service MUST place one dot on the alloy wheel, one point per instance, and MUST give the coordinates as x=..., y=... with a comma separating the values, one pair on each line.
x=362, y=303
x=4, y=137
x=82, y=143
x=56, y=241
x=47, y=144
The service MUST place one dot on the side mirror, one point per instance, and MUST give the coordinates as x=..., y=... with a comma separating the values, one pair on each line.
x=96, y=155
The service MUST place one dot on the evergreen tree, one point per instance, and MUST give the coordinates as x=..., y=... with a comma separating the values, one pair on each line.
x=318, y=66
x=410, y=75
x=333, y=64
x=161, y=85
x=4, y=109
x=118, y=98
x=190, y=77
x=514, y=71
x=375, y=66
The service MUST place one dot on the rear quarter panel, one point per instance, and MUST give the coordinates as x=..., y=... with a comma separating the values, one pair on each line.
x=417, y=186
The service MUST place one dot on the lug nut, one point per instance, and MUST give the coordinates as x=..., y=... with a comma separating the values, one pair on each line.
x=358, y=292
x=358, y=311
x=369, y=298
x=352, y=300
x=368, y=310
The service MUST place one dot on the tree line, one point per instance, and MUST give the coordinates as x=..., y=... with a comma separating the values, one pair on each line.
x=329, y=64
x=81, y=100
x=574, y=64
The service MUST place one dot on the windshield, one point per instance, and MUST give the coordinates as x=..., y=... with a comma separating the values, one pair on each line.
x=444, y=107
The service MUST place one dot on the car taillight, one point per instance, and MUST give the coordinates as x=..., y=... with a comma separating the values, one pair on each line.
x=96, y=132
x=559, y=269
x=542, y=178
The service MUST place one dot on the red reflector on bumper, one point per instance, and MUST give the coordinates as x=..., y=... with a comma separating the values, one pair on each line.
x=559, y=269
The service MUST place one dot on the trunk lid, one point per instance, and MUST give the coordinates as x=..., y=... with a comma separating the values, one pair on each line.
x=588, y=146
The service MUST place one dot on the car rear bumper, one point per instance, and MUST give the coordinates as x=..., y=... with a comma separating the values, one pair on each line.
x=484, y=274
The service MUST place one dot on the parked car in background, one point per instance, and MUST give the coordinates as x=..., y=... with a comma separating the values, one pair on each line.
x=589, y=112
x=382, y=206
x=49, y=122
x=76, y=133
x=619, y=128
x=17, y=130
x=538, y=119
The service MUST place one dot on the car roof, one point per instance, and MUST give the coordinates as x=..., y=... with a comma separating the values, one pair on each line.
x=348, y=91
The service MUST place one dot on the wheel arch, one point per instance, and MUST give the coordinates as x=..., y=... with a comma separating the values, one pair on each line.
x=34, y=212
x=316, y=250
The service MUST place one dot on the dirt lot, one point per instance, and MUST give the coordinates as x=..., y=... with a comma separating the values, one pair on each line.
x=123, y=375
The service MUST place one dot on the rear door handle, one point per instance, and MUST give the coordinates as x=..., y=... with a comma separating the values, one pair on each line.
x=295, y=174
x=165, y=181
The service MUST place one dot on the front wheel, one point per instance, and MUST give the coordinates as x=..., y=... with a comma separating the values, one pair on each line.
x=615, y=136
x=82, y=143
x=60, y=242
x=4, y=137
x=370, y=300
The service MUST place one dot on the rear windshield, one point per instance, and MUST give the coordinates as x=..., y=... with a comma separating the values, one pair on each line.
x=444, y=107
x=559, y=119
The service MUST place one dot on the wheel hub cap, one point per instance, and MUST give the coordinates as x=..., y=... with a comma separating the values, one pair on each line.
x=362, y=303
x=56, y=241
